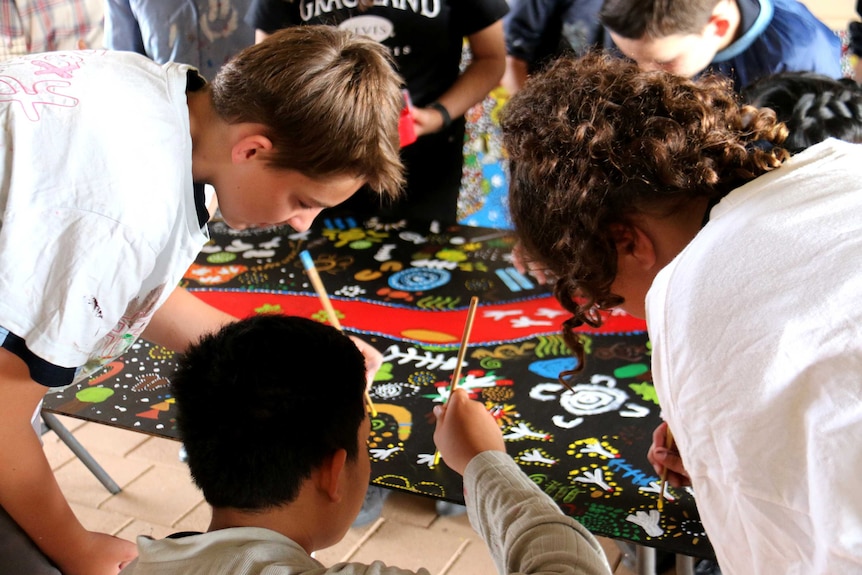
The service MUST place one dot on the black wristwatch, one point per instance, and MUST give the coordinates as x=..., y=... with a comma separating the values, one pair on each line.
x=447, y=119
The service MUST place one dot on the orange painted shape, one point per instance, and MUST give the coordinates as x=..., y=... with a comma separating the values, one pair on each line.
x=429, y=335
x=151, y=414
x=109, y=371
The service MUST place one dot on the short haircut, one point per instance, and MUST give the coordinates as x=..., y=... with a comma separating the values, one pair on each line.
x=813, y=106
x=593, y=141
x=330, y=99
x=656, y=18
x=262, y=402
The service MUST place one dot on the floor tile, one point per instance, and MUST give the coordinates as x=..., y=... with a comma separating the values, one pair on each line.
x=159, y=450
x=162, y=495
x=101, y=520
x=198, y=519
x=98, y=438
x=57, y=452
x=80, y=485
x=417, y=510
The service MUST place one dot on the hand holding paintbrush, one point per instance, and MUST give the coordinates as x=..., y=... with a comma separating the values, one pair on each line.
x=311, y=270
x=666, y=461
x=462, y=351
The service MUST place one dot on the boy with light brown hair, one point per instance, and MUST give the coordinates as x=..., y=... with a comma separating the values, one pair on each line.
x=102, y=210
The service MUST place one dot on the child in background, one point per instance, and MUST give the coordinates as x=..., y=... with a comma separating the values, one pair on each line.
x=854, y=32
x=664, y=196
x=203, y=33
x=742, y=39
x=104, y=158
x=32, y=26
x=282, y=486
x=537, y=31
x=426, y=40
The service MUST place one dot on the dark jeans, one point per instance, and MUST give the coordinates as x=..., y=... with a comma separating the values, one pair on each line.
x=18, y=554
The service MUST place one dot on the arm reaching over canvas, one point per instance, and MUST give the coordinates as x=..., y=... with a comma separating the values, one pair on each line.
x=524, y=528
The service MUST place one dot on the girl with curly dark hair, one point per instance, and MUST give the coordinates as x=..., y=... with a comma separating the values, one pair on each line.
x=594, y=144
x=667, y=197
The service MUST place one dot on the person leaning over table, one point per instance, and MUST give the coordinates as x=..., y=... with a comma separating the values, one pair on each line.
x=426, y=40
x=101, y=190
x=668, y=198
x=279, y=492
x=742, y=39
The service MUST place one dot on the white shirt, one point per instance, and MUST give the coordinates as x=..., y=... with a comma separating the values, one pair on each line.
x=757, y=360
x=97, y=213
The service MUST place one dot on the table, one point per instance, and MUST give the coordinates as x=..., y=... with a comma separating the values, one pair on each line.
x=405, y=288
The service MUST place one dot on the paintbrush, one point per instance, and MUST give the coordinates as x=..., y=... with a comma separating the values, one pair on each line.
x=311, y=270
x=462, y=351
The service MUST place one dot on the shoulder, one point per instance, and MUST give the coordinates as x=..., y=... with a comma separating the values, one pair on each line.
x=790, y=38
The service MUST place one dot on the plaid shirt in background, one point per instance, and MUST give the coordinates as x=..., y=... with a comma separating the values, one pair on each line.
x=28, y=26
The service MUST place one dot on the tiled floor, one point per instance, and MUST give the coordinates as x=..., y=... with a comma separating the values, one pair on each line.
x=159, y=498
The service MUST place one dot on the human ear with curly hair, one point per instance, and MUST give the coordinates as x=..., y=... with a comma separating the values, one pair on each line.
x=670, y=198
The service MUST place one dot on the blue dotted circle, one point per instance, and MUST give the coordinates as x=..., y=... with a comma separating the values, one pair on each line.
x=419, y=279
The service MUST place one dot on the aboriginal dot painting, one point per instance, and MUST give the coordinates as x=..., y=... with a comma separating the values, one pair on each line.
x=405, y=289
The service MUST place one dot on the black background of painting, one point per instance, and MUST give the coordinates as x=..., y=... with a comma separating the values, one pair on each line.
x=140, y=384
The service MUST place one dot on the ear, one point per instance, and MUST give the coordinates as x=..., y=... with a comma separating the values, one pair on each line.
x=634, y=246
x=249, y=148
x=331, y=476
x=719, y=25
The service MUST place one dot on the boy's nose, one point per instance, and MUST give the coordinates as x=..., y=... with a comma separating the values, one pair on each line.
x=302, y=221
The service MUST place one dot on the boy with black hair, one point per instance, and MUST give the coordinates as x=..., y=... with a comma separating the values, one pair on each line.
x=281, y=485
x=103, y=158
x=741, y=39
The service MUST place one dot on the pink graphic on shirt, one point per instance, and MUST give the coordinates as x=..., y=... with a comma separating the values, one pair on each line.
x=43, y=92
x=64, y=66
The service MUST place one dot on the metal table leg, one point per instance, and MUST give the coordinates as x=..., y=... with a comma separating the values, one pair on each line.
x=645, y=557
x=80, y=451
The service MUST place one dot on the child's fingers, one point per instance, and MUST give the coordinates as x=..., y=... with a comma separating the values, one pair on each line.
x=669, y=462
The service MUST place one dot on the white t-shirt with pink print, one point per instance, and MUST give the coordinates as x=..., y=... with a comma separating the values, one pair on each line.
x=97, y=211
